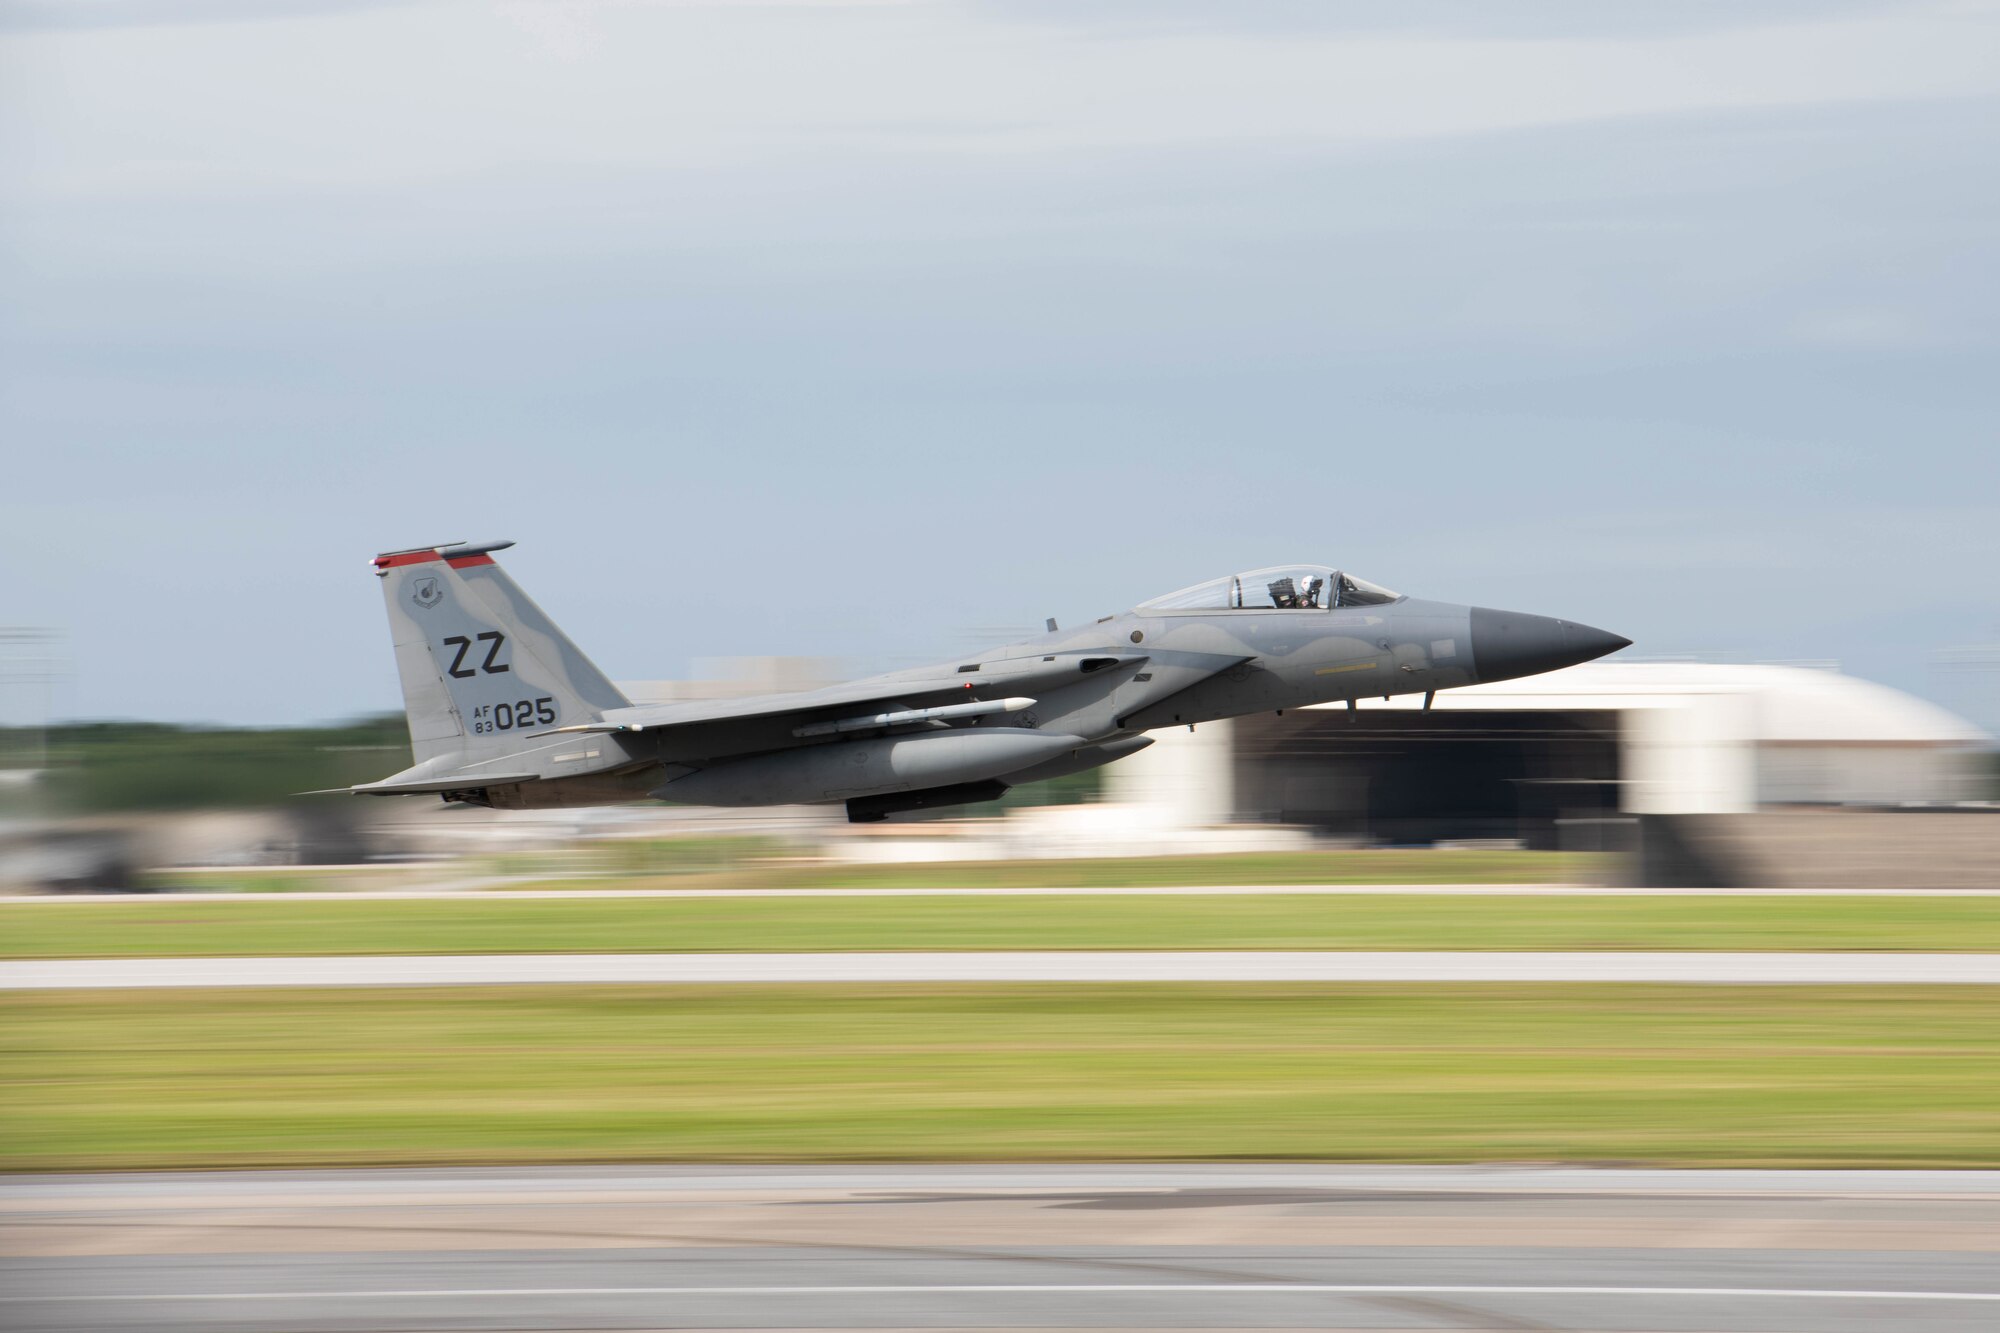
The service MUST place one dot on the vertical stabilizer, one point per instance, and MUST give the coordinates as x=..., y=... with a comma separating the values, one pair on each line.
x=482, y=666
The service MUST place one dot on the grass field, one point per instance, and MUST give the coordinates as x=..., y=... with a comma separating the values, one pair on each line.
x=716, y=863
x=499, y=923
x=1777, y=1076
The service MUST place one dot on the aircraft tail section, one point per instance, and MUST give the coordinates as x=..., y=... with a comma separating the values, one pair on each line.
x=482, y=666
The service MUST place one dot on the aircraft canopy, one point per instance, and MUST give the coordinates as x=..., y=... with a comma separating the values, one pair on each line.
x=1281, y=587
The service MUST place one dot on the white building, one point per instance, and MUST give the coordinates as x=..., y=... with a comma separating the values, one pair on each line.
x=1518, y=757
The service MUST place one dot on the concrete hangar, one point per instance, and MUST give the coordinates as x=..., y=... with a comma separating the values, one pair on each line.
x=1662, y=758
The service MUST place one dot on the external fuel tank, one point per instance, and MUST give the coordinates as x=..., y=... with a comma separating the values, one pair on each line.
x=846, y=769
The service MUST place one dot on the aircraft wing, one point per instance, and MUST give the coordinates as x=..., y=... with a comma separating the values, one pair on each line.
x=817, y=708
x=652, y=717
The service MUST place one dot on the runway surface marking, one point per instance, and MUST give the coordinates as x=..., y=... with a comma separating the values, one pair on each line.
x=133, y=1188
x=355, y=1211
x=876, y=1247
x=1026, y=966
x=1040, y=1288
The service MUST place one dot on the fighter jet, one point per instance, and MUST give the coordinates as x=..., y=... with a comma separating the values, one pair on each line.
x=506, y=712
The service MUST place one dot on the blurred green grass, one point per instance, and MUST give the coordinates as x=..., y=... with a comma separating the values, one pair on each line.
x=1416, y=865
x=1682, y=1075
x=500, y=923
x=762, y=863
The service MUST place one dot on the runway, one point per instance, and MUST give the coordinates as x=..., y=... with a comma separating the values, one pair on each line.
x=1715, y=968
x=995, y=1247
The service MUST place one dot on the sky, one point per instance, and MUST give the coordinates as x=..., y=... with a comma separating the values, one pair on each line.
x=877, y=330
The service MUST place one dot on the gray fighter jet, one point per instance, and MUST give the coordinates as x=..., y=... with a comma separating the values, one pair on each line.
x=505, y=711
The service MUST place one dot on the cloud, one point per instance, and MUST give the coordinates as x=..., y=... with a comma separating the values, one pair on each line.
x=806, y=290
x=561, y=16
x=1863, y=329
x=1535, y=19
x=83, y=15
x=412, y=93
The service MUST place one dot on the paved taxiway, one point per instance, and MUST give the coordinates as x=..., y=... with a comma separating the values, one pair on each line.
x=1078, y=965
x=1270, y=1246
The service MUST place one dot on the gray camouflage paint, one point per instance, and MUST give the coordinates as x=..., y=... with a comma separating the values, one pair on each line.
x=506, y=711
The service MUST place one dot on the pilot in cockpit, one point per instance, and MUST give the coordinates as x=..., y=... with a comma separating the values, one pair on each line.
x=1287, y=595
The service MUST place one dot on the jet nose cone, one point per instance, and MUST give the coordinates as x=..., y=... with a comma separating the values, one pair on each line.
x=1506, y=644
x=1597, y=642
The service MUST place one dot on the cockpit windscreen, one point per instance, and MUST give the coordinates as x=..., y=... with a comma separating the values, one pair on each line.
x=1351, y=591
x=1279, y=588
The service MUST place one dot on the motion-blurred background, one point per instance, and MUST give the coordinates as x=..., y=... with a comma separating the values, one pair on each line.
x=1641, y=773
x=799, y=340
x=862, y=332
